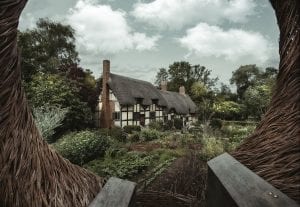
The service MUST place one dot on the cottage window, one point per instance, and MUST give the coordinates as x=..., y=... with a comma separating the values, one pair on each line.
x=152, y=115
x=136, y=116
x=116, y=115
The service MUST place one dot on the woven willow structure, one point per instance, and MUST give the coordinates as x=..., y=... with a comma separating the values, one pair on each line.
x=31, y=173
x=34, y=175
x=273, y=151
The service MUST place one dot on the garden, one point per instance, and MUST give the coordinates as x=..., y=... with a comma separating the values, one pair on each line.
x=164, y=159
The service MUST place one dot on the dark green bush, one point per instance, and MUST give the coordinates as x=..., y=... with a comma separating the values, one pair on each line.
x=131, y=128
x=117, y=133
x=157, y=125
x=178, y=123
x=126, y=166
x=81, y=147
x=168, y=125
x=216, y=123
x=150, y=134
x=135, y=137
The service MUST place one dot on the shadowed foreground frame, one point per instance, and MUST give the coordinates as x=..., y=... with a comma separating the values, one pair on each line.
x=31, y=173
x=273, y=150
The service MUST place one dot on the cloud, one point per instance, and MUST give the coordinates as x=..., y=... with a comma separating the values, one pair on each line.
x=99, y=29
x=27, y=21
x=175, y=14
x=235, y=45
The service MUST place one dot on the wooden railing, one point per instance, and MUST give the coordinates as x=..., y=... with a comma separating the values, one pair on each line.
x=231, y=184
x=116, y=193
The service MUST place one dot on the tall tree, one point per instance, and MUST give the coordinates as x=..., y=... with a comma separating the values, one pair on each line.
x=162, y=75
x=184, y=74
x=244, y=77
x=46, y=48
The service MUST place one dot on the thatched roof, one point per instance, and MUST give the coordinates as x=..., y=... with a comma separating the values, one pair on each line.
x=128, y=91
x=182, y=104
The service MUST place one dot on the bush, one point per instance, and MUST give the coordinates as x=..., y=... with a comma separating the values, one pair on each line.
x=216, y=123
x=178, y=123
x=125, y=166
x=48, y=119
x=157, y=125
x=116, y=133
x=212, y=147
x=130, y=128
x=150, y=134
x=168, y=125
x=81, y=147
x=135, y=137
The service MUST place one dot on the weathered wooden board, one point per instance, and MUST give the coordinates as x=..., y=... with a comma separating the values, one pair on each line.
x=116, y=193
x=231, y=184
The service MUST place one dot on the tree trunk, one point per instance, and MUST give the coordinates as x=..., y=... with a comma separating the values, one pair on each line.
x=273, y=151
x=31, y=173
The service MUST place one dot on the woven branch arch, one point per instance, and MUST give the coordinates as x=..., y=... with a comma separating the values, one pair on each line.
x=31, y=173
x=273, y=150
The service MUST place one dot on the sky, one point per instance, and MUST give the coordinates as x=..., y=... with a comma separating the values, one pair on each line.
x=141, y=36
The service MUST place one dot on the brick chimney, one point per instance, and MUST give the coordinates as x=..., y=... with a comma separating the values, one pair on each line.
x=164, y=86
x=106, y=115
x=182, y=90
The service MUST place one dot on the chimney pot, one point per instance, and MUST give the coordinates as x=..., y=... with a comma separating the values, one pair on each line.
x=182, y=90
x=164, y=86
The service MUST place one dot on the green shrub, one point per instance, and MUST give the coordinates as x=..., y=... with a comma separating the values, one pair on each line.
x=134, y=137
x=212, y=147
x=178, y=123
x=81, y=147
x=157, y=125
x=47, y=119
x=117, y=133
x=216, y=123
x=115, y=151
x=168, y=125
x=125, y=166
x=150, y=134
x=130, y=128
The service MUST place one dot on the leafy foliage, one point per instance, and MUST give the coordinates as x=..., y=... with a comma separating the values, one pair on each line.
x=123, y=167
x=227, y=109
x=157, y=125
x=57, y=90
x=48, y=119
x=46, y=48
x=216, y=123
x=178, y=123
x=184, y=74
x=150, y=134
x=244, y=77
x=131, y=128
x=257, y=99
x=81, y=147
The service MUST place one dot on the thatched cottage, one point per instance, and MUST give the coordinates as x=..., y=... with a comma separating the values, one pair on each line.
x=127, y=101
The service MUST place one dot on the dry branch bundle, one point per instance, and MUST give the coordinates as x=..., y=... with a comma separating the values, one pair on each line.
x=273, y=150
x=31, y=173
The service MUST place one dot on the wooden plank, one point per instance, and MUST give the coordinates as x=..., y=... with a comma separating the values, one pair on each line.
x=232, y=184
x=116, y=193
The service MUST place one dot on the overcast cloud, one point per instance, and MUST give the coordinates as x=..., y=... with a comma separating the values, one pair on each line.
x=175, y=14
x=139, y=37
